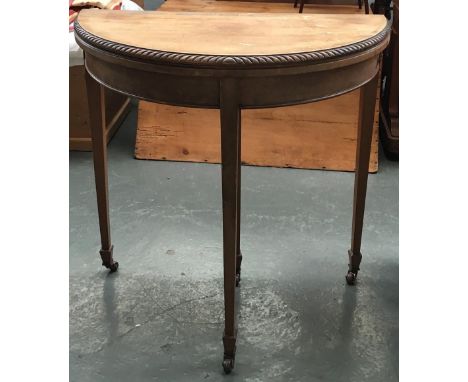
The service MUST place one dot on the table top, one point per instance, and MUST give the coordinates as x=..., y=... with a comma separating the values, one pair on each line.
x=223, y=39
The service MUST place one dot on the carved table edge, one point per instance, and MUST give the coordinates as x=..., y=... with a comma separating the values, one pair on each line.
x=230, y=61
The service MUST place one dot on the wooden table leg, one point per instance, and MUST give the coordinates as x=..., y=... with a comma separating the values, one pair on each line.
x=364, y=140
x=96, y=104
x=301, y=8
x=366, y=6
x=238, y=203
x=230, y=141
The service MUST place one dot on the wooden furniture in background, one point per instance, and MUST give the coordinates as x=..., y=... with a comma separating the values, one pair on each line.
x=320, y=135
x=195, y=60
x=116, y=105
x=366, y=5
x=311, y=2
x=389, y=109
x=257, y=6
x=116, y=108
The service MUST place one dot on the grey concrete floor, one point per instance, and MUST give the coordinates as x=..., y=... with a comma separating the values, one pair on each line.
x=160, y=317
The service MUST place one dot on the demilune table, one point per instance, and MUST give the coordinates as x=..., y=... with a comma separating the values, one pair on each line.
x=231, y=61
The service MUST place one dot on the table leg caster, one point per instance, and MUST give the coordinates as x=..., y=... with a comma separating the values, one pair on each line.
x=113, y=267
x=238, y=268
x=229, y=343
x=351, y=278
x=353, y=266
x=108, y=260
x=228, y=364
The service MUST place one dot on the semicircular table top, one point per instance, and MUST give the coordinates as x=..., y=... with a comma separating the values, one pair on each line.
x=154, y=35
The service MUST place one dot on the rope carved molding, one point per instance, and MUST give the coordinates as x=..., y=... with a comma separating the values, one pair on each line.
x=173, y=58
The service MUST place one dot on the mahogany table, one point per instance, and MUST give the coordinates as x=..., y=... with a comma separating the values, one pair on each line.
x=231, y=61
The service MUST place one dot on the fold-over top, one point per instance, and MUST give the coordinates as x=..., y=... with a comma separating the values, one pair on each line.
x=227, y=39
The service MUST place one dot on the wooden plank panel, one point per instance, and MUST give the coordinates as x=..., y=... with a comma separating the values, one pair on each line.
x=317, y=136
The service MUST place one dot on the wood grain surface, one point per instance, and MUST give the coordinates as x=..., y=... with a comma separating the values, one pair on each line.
x=232, y=33
x=254, y=6
x=320, y=135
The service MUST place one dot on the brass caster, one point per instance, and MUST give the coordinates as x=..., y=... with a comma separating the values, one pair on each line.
x=107, y=259
x=228, y=365
x=351, y=278
x=113, y=267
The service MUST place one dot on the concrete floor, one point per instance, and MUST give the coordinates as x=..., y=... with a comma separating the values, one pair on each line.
x=160, y=317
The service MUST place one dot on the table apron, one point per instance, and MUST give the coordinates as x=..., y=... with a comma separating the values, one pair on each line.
x=255, y=92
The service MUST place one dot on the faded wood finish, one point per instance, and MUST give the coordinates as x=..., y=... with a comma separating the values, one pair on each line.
x=232, y=34
x=234, y=78
x=252, y=6
x=319, y=135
